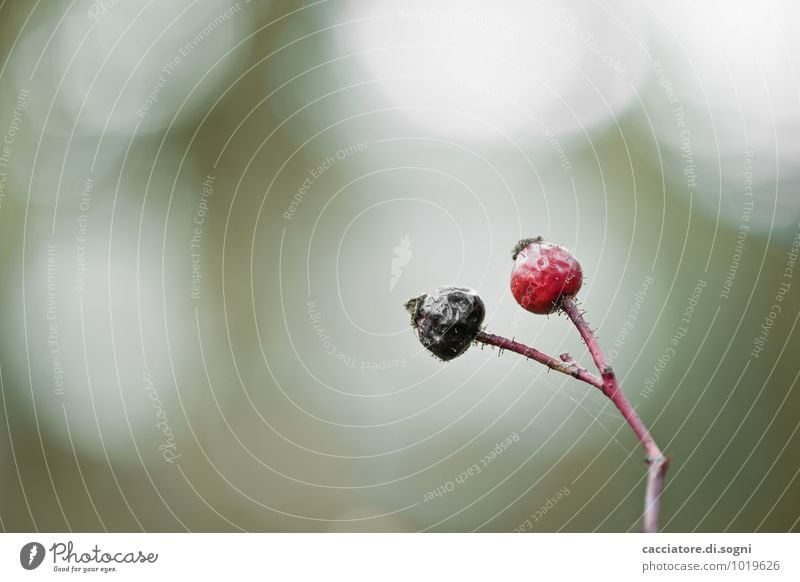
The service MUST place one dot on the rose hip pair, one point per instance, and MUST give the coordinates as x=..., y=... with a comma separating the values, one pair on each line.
x=545, y=278
x=449, y=319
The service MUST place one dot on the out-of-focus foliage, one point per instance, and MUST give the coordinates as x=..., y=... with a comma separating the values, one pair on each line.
x=211, y=214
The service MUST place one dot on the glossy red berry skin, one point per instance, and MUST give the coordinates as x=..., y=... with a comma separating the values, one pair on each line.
x=543, y=274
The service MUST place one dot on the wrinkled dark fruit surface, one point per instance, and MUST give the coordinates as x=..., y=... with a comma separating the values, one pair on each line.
x=543, y=273
x=447, y=320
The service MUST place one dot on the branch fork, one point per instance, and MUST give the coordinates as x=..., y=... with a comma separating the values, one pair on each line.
x=607, y=383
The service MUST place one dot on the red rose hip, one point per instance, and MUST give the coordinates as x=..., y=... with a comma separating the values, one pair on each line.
x=543, y=274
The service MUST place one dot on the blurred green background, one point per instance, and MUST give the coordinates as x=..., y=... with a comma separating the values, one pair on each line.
x=211, y=214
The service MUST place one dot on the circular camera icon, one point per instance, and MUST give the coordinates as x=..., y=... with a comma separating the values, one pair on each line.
x=31, y=555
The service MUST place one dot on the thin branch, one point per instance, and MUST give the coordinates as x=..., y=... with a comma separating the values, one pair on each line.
x=568, y=368
x=657, y=462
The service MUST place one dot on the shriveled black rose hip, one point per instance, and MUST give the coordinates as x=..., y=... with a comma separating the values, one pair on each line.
x=447, y=320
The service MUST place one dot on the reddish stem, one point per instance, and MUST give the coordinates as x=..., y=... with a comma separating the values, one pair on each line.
x=608, y=384
x=657, y=462
x=569, y=368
